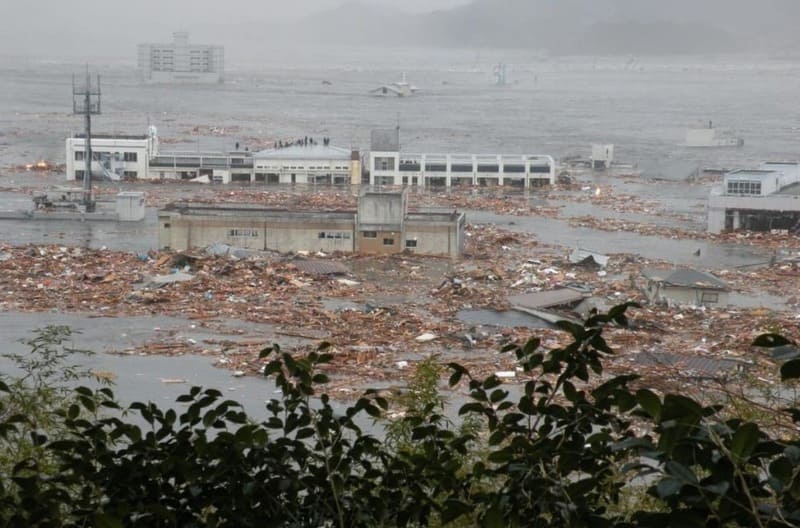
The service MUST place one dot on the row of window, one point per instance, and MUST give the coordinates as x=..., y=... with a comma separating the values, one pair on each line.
x=746, y=187
x=127, y=174
x=301, y=167
x=467, y=168
x=387, y=241
x=242, y=232
x=80, y=155
x=336, y=235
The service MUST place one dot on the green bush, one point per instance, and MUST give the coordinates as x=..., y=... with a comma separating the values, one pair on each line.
x=566, y=451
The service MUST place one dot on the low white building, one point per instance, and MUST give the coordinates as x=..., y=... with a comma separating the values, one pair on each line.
x=311, y=164
x=114, y=157
x=685, y=287
x=602, y=156
x=207, y=167
x=756, y=199
x=389, y=166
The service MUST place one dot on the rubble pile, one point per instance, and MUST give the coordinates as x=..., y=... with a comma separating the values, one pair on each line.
x=615, y=224
x=386, y=310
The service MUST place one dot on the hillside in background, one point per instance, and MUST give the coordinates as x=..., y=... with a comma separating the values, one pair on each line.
x=566, y=26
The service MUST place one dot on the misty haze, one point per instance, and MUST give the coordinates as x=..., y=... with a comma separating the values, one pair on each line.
x=413, y=182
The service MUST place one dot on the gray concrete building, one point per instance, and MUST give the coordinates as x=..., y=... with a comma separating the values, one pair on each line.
x=757, y=199
x=181, y=62
x=381, y=224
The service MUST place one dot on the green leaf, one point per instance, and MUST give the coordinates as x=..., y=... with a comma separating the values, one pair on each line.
x=453, y=509
x=720, y=488
x=102, y=520
x=498, y=395
x=494, y=518
x=782, y=469
x=790, y=370
x=745, y=441
x=649, y=402
x=771, y=341
x=681, y=472
x=668, y=487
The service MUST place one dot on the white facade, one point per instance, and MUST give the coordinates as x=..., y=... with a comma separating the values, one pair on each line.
x=113, y=157
x=755, y=193
x=312, y=164
x=388, y=165
x=181, y=62
x=602, y=156
x=207, y=167
x=394, y=168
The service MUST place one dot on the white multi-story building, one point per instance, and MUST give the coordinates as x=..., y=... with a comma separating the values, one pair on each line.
x=388, y=166
x=114, y=157
x=181, y=62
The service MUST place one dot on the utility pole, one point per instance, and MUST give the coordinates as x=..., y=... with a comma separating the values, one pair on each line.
x=86, y=102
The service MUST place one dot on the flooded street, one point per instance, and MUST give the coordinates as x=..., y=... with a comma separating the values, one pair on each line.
x=559, y=106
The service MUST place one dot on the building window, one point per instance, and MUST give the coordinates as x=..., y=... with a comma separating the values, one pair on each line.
x=388, y=241
x=411, y=243
x=80, y=155
x=130, y=156
x=334, y=235
x=744, y=187
x=242, y=232
x=369, y=234
x=130, y=174
x=384, y=163
x=708, y=297
x=79, y=174
x=166, y=226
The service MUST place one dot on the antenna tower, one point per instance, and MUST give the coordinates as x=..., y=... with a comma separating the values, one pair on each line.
x=86, y=102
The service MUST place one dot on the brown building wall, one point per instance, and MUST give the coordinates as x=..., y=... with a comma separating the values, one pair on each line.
x=376, y=245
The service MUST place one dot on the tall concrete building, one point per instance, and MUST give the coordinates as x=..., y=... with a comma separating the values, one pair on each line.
x=180, y=62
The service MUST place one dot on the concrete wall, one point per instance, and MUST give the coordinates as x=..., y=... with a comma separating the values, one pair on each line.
x=382, y=211
x=433, y=239
x=376, y=245
x=287, y=231
x=130, y=206
x=184, y=232
x=305, y=236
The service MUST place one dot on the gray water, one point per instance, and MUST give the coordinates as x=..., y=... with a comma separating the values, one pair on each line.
x=558, y=106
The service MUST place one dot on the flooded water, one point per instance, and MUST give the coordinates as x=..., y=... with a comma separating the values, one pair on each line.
x=557, y=106
x=559, y=233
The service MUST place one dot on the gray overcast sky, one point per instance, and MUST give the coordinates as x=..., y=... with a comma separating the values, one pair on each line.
x=109, y=27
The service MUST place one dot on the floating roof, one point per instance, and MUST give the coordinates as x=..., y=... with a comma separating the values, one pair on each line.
x=686, y=278
x=546, y=299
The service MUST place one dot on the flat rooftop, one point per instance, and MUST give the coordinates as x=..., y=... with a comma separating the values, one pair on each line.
x=305, y=152
x=753, y=173
x=107, y=135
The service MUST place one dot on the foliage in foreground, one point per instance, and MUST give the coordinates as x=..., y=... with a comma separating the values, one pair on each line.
x=567, y=449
